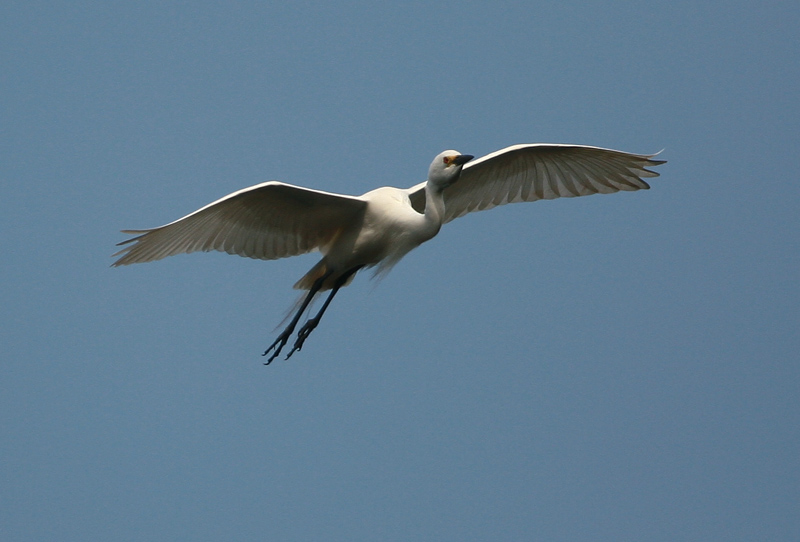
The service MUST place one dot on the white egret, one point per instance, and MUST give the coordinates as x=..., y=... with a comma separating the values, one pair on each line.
x=275, y=220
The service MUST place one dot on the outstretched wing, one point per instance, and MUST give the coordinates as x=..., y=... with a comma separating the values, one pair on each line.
x=541, y=171
x=267, y=221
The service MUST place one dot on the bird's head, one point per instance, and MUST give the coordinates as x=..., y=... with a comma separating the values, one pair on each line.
x=446, y=168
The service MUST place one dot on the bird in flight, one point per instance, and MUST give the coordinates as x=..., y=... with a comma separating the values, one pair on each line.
x=275, y=220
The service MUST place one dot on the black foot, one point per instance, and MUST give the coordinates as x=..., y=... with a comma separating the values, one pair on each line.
x=302, y=335
x=283, y=338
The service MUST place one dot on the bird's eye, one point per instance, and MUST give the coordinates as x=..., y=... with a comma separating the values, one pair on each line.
x=446, y=160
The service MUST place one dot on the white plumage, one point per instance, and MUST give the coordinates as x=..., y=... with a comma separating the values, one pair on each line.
x=275, y=220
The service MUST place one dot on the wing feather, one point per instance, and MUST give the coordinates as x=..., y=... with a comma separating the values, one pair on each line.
x=267, y=221
x=541, y=171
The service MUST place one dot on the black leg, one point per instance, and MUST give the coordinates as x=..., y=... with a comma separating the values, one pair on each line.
x=309, y=326
x=284, y=336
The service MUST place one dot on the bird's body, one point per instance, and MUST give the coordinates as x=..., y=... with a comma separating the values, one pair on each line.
x=388, y=229
x=275, y=220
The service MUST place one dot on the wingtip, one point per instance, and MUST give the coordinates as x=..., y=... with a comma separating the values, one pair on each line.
x=650, y=158
x=137, y=233
x=120, y=262
x=651, y=162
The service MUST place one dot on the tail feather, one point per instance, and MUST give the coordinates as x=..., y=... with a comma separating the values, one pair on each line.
x=311, y=277
x=319, y=271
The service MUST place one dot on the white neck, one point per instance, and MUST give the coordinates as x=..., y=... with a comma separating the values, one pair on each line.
x=434, y=211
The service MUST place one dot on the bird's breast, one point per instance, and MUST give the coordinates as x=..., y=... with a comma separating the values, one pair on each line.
x=390, y=228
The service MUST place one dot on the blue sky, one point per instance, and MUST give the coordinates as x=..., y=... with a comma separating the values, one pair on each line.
x=619, y=367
